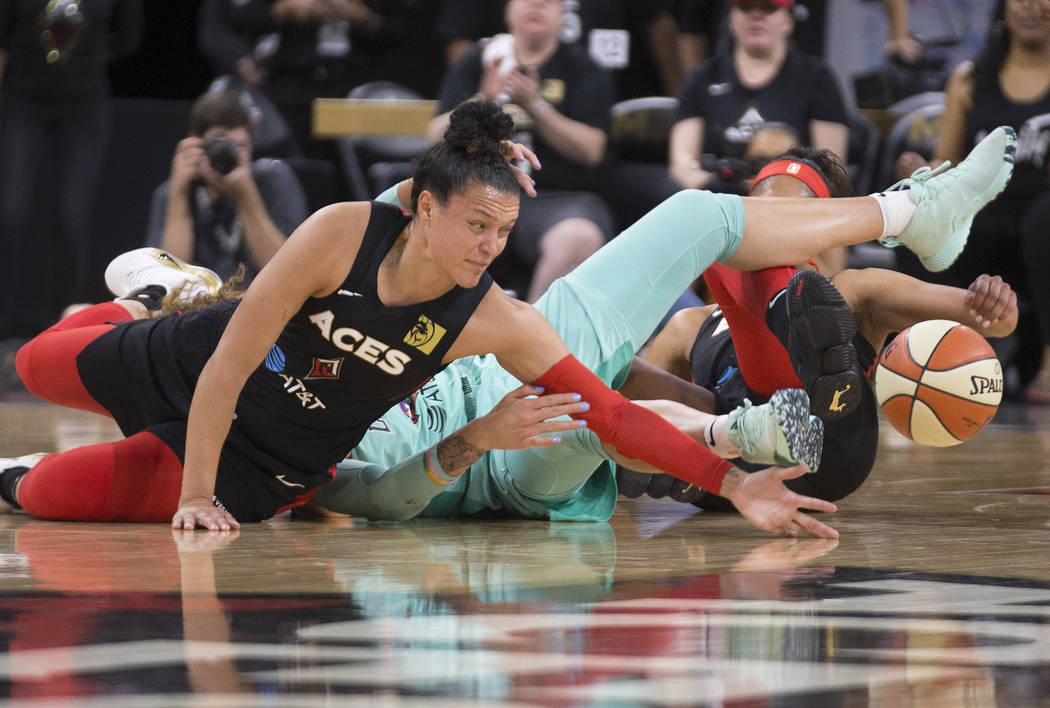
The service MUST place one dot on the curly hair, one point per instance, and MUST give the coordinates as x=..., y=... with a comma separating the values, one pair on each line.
x=176, y=301
x=470, y=152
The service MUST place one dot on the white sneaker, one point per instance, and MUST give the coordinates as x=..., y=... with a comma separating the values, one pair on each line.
x=7, y=463
x=136, y=269
x=946, y=200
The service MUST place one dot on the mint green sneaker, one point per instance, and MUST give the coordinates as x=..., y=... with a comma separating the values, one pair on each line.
x=780, y=432
x=946, y=200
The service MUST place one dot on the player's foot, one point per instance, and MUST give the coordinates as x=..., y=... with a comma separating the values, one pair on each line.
x=633, y=484
x=780, y=432
x=821, y=330
x=11, y=471
x=946, y=200
x=139, y=270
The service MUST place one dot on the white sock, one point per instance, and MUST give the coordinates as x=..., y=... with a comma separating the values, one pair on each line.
x=897, y=209
x=716, y=435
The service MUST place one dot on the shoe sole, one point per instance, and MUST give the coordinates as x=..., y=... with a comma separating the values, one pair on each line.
x=947, y=254
x=822, y=330
x=632, y=484
x=804, y=439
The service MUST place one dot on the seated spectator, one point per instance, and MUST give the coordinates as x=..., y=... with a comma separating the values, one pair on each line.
x=219, y=208
x=560, y=101
x=1008, y=84
x=727, y=98
x=319, y=49
x=635, y=40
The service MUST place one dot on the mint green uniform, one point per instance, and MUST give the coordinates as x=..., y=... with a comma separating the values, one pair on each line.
x=605, y=310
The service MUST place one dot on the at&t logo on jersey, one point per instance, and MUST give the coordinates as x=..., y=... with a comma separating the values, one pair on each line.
x=275, y=360
x=382, y=356
x=425, y=334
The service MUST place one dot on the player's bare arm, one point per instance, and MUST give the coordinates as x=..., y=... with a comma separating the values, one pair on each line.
x=885, y=301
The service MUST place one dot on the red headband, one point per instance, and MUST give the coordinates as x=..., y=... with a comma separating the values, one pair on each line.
x=799, y=170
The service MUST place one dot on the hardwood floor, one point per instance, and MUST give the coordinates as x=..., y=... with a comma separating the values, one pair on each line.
x=937, y=594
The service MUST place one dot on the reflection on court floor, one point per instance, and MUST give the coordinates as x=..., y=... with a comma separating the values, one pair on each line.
x=938, y=594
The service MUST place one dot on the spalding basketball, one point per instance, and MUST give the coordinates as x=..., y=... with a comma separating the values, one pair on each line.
x=938, y=382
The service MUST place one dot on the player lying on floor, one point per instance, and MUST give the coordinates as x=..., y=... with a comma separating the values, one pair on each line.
x=932, y=218
x=732, y=350
x=554, y=483
x=476, y=413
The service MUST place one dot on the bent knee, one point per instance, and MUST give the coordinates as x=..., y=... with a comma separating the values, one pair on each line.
x=577, y=236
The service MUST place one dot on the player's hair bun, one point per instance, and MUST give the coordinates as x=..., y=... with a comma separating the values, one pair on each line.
x=478, y=127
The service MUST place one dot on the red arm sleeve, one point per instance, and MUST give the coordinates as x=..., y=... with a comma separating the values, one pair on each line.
x=635, y=431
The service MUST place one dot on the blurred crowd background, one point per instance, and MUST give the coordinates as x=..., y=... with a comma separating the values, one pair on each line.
x=187, y=125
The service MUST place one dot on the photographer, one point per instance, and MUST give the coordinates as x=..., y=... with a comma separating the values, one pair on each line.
x=218, y=208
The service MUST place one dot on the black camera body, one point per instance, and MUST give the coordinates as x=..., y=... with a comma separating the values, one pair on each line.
x=222, y=154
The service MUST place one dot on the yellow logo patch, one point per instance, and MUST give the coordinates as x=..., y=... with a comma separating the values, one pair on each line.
x=425, y=334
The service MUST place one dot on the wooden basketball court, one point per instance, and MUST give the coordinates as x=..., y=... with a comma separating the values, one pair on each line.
x=937, y=594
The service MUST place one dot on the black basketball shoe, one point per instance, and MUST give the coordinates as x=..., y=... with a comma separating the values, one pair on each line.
x=820, y=335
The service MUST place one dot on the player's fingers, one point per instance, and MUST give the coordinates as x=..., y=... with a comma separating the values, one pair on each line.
x=557, y=426
x=575, y=409
x=555, y=400
x=978, y=290
x=543, y=441
x=813, y=503
x=814, y=528
x=792, y=472
x=524, y=391
x=1005, y=298
x=528, y=154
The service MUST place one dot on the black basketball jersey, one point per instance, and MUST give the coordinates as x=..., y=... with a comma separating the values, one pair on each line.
x=337, y=366
x=344, y=359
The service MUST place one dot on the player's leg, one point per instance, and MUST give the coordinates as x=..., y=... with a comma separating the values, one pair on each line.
x=932, y=217
x=641, y=271
x=745, y=298
x=135, y=479
x=47, y=364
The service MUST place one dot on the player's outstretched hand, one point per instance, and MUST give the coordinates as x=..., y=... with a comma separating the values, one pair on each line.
x=201, y=512
x=518, y=421
x=762, y=499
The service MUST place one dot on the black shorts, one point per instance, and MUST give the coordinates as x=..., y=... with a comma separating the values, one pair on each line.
x=538, y=215
x=145, y=372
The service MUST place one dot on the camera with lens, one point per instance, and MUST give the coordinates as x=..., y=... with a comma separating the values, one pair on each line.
x=730, y=173
x=222, y=154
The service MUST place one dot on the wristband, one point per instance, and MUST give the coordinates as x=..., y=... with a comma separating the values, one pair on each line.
x=434, y=469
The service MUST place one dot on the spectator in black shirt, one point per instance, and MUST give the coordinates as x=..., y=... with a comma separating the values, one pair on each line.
x=321, y=49
x=727, y=98
x=560, y=101
x=635, y=40
x=54, y=132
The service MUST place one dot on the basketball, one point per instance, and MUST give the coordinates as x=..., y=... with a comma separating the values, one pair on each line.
x=938, y=383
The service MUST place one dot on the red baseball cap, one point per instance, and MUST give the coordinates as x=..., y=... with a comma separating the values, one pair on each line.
x=786, y=4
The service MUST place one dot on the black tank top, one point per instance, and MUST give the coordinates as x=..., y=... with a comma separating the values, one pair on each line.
x=344, y=359
x=991, y=108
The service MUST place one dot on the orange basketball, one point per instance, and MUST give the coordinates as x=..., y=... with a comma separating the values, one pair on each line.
x=938, y=383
